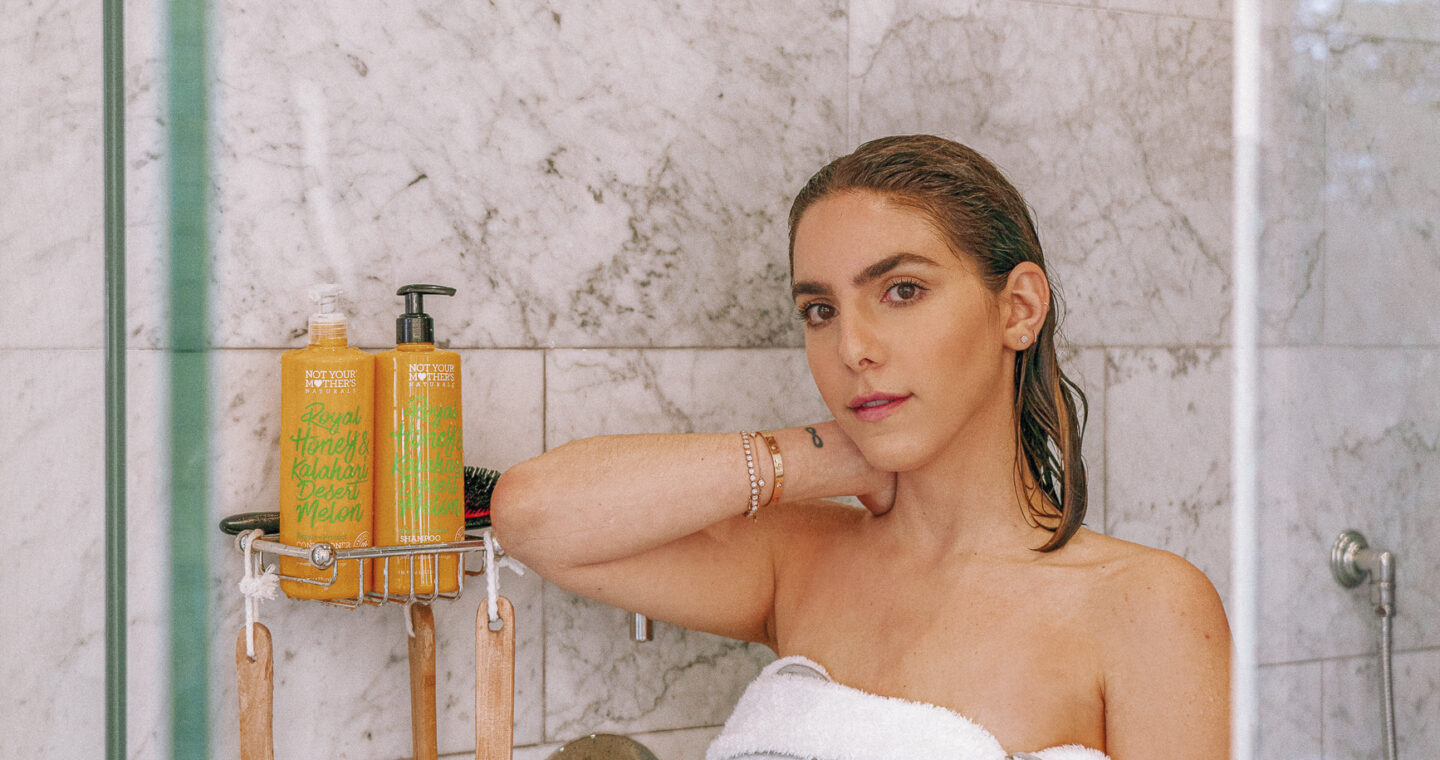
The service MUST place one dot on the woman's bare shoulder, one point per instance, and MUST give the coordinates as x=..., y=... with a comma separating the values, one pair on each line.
x=1165, y=645
x=1130, y=594
x=1140, y=572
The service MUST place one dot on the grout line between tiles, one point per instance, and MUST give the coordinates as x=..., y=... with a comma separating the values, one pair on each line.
x=1322, y=713
x=1349, y=657
x=1222, y=19
x=544, y=400
x=1325, y=240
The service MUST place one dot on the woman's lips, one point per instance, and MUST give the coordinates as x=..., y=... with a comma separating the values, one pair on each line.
x=876, y=406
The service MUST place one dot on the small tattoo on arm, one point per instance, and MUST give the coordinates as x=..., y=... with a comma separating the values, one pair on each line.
x=815, y=438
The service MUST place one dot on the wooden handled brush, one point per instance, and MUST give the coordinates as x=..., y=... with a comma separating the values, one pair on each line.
x=256, y=679
x=494, y=682
x=423, y=728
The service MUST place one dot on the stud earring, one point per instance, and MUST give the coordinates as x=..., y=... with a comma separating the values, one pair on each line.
x=1024, y=339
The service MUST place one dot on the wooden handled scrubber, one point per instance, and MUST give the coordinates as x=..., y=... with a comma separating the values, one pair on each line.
x=423, y=728
x=256, y=679
x=494, y=680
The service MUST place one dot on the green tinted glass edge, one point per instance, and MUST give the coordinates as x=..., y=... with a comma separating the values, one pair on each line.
x=189, y=379
x=114, y=183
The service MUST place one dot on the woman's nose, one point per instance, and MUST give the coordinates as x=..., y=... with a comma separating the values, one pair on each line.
x=860, y=345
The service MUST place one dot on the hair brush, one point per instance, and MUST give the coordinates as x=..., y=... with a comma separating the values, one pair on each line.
x=479, y=483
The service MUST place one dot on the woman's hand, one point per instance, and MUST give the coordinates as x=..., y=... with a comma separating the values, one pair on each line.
x=874, y=488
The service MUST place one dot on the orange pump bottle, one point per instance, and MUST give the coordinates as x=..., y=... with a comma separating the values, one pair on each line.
x=420, y=478
x=327, y=431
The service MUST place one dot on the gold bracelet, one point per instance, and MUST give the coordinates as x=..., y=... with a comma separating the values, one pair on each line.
x=779, y=463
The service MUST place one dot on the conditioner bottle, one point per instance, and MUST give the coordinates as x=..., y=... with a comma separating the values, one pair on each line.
x=327, y=428
x=420, y=479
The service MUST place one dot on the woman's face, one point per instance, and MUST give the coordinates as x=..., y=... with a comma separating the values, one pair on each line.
x=903, y=338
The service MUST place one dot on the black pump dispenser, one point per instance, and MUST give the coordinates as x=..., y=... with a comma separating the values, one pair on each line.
x=415, y=326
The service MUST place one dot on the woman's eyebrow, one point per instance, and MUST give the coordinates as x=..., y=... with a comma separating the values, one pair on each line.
x=807, y=288
x=874, y=271
x=881, y=267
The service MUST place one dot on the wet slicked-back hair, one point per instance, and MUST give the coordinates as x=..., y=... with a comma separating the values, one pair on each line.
x=983, y=218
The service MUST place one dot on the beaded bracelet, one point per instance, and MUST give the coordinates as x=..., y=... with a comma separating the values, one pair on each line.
x=755, y=482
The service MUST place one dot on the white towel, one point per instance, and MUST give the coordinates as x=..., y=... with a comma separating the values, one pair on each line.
x=795, y=710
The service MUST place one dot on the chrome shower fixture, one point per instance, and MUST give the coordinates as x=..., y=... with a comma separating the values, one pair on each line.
x=640, y=630
x=1352, y=561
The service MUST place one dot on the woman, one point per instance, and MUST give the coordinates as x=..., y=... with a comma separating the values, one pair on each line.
x=969, y=582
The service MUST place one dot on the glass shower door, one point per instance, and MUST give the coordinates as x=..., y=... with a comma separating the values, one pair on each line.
x=1349, y=371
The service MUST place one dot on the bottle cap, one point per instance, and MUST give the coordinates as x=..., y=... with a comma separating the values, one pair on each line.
x=327, y=322
x=415, y=326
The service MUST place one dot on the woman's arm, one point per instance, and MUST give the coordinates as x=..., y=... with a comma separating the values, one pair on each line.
x=1167, y=687
x=654, y=523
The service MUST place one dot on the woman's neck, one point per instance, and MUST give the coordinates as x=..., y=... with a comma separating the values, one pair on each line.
x=972, y=499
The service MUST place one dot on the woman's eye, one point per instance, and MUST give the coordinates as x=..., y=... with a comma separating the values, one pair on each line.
x=903, y=291
x=816, y=314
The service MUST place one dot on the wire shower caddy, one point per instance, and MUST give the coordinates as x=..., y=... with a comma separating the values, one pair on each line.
x=324, y=556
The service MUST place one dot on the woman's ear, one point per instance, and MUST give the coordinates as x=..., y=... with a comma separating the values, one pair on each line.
x=1026, y=299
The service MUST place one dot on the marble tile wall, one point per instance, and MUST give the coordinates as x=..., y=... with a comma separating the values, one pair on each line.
x=50, y=63
x=585, y=173
x=1292, y=699
x=54, y=565
x=1382, y=150
x=1169, y=464
x=577, y=170
x=1352, y=717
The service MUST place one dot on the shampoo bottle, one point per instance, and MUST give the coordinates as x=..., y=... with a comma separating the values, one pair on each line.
x=327, y=428
x=419, y=483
